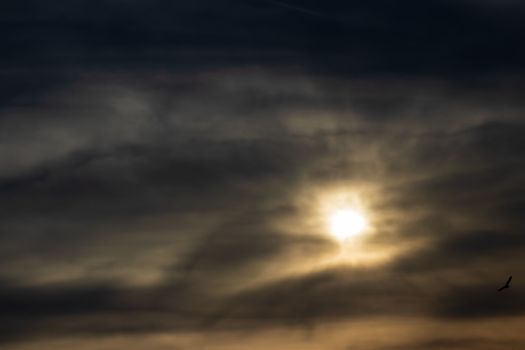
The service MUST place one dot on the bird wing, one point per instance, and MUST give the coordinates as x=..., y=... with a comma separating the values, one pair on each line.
x=508, y=281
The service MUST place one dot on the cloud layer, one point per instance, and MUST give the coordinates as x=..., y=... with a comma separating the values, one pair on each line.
x=162, y=167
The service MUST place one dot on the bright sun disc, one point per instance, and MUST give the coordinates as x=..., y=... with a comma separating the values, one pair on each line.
x=345, y=223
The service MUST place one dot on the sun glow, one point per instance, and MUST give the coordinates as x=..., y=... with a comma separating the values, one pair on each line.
x=349, y=220
x=345, y=223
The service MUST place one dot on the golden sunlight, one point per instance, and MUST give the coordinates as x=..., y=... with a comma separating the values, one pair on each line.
x=346, y=222
x=348, y=217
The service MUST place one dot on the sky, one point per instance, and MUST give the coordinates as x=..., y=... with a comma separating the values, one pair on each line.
x=169, y=174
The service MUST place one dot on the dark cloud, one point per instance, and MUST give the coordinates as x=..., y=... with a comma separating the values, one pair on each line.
x=460, y=36
x=303, y=301
x=220, y=197
x=478, y=301
x=162, y=166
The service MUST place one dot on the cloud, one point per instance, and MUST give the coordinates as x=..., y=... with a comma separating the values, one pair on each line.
x=462, y=343
x=458, y=38
x=161, y=163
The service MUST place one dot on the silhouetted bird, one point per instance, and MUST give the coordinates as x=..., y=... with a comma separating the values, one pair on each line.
x=507, y=285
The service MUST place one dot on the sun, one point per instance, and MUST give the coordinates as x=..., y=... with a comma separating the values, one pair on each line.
x=346, y=223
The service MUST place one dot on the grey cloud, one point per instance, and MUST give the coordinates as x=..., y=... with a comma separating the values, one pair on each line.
x=443, y=37
x=302, y=301
x=481, y=301
x=160, y=164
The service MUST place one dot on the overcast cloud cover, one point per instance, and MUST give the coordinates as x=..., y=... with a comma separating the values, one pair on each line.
x=162, y=165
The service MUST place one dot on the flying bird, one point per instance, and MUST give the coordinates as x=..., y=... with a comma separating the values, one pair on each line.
x=507, y=285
